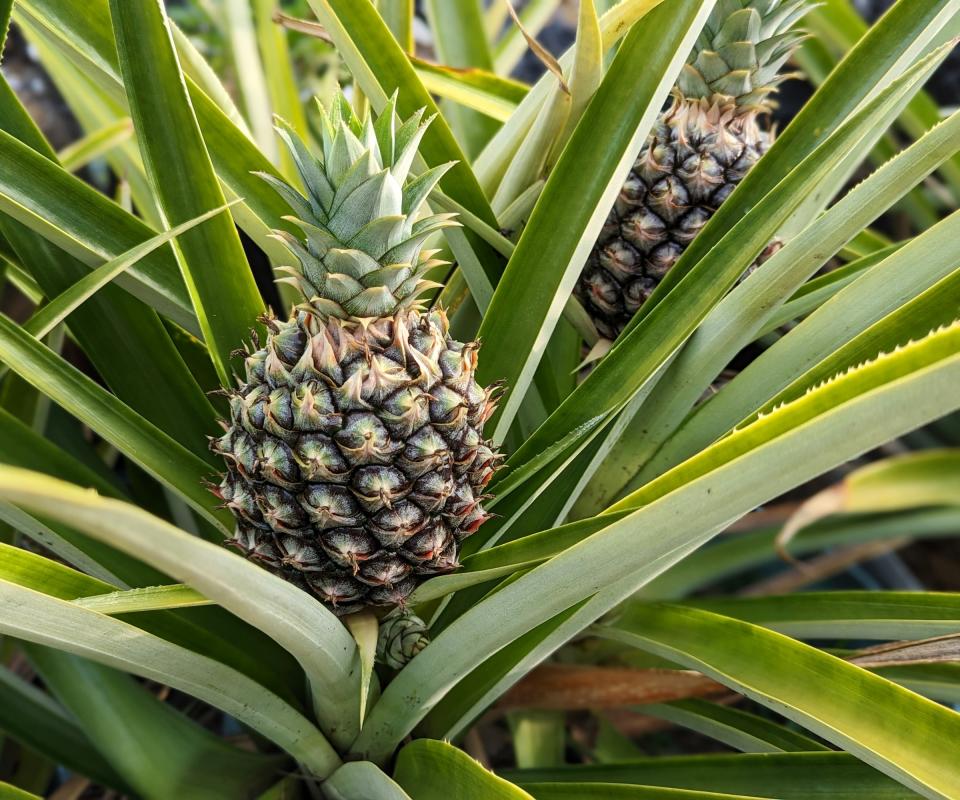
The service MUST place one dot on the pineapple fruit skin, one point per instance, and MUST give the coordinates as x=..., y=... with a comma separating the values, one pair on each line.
x=354, y=453
x=355, y=459
x=700, y=149
x=692, y=161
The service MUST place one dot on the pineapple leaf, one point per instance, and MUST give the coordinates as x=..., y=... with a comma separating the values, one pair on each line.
x=755, y=548
x=476, y=89
x=746, y=732
x=747, y=658
x=428, y=769
x=290, y=616
x=163, y=457
x=58, y=309
x=791, y=776
x=363, y=779
x=879, y=615
x=221, y=286
x=398, y=16
x=107, y=701
x=673, y=516
x=81, y=31
x=147, y=598
x=42, y=619
x=460, y=43
x=817, y=349
x=31, y=716
x=79, y=154
x=58, y=206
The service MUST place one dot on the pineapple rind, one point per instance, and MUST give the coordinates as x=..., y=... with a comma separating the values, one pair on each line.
x=354, y=451
x=697, y=153
x=355, y=459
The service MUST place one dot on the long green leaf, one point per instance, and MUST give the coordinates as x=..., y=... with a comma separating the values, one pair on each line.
x=157, y=750
x=860, y=712
x=742, y=730
x=788, y=776
x=59, y=207
x=362, y=779
x=427, y=769
x=32, y=717
x=81, y=31
x=278, y=70
x=211, y=258
x=880, y=615
x=398, y=15
x=78, y=154
x=215, y=634
x=6, y=7
x=493, y=162
x=864, y=303
x=251, y=76
x=837, y=26
x=147, y=445
x=60, y=307
x=45, y=620
x=474, y=88
x=287, y=614
x=735, y=555
x=124, y=339
x=618, y=791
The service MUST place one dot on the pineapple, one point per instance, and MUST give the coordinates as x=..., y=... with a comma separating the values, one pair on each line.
x=354, y=451
x=402, y=634
x=714, y=131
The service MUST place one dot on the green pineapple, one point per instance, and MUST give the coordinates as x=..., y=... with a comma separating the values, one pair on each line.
x=355, y=458
x=401, y=636
x=714, y=131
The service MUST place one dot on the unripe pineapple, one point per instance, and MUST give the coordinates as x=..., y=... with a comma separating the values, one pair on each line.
x=355, y=459
x=402, y=635
x=714, y=131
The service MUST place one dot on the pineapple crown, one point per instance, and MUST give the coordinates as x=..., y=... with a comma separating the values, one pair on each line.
x=740, y=51
x=363, y=253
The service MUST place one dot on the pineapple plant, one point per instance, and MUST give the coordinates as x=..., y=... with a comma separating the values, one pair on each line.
x=356, y=462
x=716, y=128
x=396, y=616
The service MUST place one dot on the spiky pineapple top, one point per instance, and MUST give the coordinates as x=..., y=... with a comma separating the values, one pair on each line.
x=362, y=253
x=699, y=150
x=739, y=54
x=355, y=458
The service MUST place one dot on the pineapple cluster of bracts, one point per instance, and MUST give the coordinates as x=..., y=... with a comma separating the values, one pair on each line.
x=356, y=463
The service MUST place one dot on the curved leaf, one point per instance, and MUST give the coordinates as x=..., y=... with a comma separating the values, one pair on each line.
x=287, y=614
x=427, y=769
x=848, y=706
x=45, y=620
